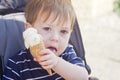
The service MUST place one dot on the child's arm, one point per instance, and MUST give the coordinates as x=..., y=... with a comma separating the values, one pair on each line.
x=65, y=69
x=70, y=71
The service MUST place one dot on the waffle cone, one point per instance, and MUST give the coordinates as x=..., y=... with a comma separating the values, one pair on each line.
x=35, y=49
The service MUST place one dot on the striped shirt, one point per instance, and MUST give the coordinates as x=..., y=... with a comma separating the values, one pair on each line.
x=23, y=67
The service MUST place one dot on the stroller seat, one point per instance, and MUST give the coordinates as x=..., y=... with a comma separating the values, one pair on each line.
x=11, y=28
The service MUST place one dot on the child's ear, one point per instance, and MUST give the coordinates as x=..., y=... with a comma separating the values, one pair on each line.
x=27, y=25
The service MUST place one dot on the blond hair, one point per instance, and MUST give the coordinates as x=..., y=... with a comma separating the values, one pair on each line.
x=62, y=9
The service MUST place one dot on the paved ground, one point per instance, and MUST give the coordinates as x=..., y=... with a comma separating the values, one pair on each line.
x=101, y=38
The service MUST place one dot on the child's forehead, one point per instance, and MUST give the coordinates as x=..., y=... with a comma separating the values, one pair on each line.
x=53, y=19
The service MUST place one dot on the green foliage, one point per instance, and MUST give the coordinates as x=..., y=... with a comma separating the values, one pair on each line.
x=117, y=6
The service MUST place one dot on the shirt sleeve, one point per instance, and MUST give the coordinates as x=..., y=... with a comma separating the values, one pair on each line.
x=11, y=71
x=70, y=56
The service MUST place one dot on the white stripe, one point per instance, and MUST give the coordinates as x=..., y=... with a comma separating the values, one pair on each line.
x=13, y=71
x=7, y=77
x=73, y=59
x=53, y=73
x=41, y=77
x=8, y=68
x=64, y=54
x=58, y=78
x=69, y=45
x=71, y=53
x=29, y=69
x=11, y=60
x=18, y=62
x=38, y=77
x=22, y=52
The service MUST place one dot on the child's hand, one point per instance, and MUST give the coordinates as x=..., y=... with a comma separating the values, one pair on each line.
x=47, y=59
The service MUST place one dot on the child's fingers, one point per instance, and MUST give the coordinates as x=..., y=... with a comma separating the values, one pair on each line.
x=44, y=58
x=43, y=55
x=44, y=52
x=47, y=59
x=46, y=63
x=47, y=66
x=35, y=59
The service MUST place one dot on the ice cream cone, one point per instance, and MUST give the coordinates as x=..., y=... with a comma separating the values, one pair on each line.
x=34, y=41
x=34, y=51
x=36, y=48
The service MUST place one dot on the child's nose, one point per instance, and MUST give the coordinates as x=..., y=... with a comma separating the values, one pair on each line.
x=55, y=37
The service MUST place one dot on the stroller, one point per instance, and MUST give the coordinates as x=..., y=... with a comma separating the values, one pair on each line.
x=11, y=28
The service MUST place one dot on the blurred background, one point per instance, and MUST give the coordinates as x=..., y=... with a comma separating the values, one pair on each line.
x=99, y=21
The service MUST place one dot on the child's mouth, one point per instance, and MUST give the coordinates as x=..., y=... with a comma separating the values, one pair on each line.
x=53, y=49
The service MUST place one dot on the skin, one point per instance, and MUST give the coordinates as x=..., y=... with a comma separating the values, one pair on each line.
x=56, y=38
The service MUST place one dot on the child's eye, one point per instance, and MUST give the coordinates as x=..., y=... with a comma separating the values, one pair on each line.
x=46, y=28
x=64, y=31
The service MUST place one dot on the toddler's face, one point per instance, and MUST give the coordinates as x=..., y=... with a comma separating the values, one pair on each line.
x=55, y=35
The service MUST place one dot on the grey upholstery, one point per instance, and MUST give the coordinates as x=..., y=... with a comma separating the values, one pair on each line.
x=13, y=4
x=11, y=40
x=76, y=41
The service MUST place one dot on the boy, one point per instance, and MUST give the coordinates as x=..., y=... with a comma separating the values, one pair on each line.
x=54, y=20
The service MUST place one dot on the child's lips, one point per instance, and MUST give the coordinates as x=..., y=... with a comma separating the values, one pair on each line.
x=53, y=49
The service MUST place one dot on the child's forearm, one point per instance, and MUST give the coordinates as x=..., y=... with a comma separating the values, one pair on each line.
x=70, y=71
